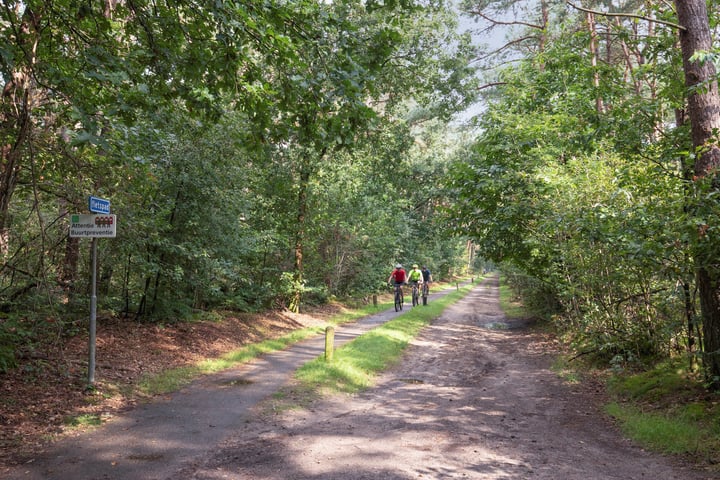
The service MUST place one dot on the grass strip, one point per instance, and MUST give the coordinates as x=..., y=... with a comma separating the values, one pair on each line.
x=661, y=433
x=511, y=306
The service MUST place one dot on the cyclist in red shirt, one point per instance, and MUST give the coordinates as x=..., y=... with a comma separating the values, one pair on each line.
x=398, y=275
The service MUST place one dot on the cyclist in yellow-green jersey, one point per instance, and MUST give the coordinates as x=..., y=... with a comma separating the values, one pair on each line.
x=415, y=275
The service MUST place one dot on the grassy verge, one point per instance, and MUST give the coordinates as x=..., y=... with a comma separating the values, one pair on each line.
x=355, y=365
x=173, y=379
x=511, y=306
x=666, y=409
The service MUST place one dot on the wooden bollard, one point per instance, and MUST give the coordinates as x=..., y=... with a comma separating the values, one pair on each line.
x=329, y=342
x=457, y=286
x=374, y=300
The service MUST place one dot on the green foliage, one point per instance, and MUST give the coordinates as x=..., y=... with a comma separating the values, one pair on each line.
x=510, y=303
x=575, y=186
x=12, y=334
x=534, y=296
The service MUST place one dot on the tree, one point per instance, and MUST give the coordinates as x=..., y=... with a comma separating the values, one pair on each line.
x=593, y=238
x=362, y=62
x=78, y=73
x=704, y=114
x=502, y=15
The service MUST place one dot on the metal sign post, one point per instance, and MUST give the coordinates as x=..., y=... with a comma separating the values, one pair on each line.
x=93, y=226
x=93, y=315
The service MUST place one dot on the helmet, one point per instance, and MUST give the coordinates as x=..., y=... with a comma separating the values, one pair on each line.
x=398, y=266
x=415, y=265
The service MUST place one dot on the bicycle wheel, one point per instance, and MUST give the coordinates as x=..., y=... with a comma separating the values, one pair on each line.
x=425, y=291
x=398, y=301
x=415, y=300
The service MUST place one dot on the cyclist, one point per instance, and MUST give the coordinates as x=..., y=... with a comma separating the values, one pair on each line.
x=427, y=276
x=398, y=276
x=415, y=277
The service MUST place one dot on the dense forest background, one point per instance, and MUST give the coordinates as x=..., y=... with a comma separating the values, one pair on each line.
x=270, y=154
x=257, y=154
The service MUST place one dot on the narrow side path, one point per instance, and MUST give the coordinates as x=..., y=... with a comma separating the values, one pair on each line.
x=152, y=440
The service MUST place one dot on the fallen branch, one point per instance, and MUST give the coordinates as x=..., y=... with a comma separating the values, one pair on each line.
x=586, y=352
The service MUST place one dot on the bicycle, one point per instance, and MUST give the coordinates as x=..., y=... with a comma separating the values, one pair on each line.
x=425, y=292
x=415, y=294
x=399, y=297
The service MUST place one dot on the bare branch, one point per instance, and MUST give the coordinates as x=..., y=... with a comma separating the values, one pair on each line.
x=507, y=46
x=490, y=85
x=498, y=22
x=629, y=15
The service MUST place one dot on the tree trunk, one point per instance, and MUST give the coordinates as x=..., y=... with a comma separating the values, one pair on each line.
x=690, y=305
x=599, y=107
x=69, y=273
x=10, y=161
x=70, y=265
x=704, y=115
x=690, y=320
x=300, y=238
x=17, y=97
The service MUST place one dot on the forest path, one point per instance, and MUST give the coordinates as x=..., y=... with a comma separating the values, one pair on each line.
x=469, y=400
x=152, y=440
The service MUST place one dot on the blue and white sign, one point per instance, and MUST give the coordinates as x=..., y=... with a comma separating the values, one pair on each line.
x=99, y=205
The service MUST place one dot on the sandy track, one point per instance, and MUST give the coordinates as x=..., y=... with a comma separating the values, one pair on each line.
x=469, y=400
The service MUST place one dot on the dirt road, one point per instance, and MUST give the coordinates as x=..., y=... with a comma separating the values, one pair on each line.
x=470, y=400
